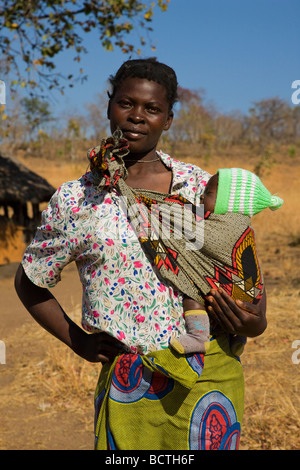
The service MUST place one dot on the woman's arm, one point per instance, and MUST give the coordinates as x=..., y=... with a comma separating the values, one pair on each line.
x=235, y=316
x=45, y=309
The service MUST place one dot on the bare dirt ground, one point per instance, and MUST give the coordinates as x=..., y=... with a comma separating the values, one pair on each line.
x=28, y=419
x=46, y=392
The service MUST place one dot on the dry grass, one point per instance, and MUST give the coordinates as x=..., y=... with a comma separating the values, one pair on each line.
x=272, y=381
x=61, y=381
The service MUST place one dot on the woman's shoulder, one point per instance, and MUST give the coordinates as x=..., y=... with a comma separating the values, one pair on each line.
x=84, y=181
x=195, y=170
x=74, y=191
x=184, y=166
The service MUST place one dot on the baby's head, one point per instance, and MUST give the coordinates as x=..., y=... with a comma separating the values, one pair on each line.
x=208, y=198
x=237, y=190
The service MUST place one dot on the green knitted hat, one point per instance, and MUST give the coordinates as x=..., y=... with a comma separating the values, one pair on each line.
x=242, y=191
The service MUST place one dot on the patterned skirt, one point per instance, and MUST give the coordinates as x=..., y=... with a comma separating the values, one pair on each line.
x=165, y=401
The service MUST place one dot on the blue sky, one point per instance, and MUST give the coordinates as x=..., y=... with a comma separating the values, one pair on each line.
x=238, y=51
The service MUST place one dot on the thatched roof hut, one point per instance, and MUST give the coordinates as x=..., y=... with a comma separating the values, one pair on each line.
x=19, y=186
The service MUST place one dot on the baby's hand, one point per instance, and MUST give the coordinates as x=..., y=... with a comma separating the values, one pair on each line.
x=235, y=316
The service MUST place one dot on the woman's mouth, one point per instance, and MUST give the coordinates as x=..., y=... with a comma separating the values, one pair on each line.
x=131, y=134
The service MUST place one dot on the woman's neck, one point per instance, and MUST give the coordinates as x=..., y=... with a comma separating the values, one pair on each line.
x=154, y=176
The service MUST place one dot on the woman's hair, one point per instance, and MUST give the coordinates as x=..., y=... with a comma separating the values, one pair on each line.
x=149, y=69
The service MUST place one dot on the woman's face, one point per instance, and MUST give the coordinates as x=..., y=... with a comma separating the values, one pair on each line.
x=141, y=110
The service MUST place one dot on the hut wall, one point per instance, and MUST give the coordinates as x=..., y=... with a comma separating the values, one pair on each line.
x=12, y=242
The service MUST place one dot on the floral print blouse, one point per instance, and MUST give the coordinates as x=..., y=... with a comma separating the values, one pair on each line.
x=122, y=295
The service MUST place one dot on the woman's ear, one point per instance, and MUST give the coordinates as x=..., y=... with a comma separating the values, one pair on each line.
x=108, y=110
x=169, y=121
x=108, y=105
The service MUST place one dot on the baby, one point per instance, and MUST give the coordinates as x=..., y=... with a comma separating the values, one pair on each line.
x=229, y=191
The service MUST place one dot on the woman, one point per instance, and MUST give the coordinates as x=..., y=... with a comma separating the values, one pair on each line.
x=171, y=401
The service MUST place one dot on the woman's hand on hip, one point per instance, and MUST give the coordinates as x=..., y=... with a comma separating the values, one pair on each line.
x=99, y=347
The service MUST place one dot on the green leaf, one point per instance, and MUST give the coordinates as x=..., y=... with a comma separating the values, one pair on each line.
x=46, y=27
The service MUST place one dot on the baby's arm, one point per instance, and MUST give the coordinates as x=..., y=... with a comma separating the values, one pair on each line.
x=196, y=339
x=190, y=304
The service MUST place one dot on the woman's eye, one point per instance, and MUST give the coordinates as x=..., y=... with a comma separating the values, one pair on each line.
x=153, y=109
x=124, y=104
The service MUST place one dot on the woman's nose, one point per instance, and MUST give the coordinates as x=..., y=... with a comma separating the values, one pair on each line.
x=136, y=115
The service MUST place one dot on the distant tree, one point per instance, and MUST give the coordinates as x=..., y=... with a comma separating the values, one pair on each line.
x=193, y=118
x=268, y=120
x=74, y=133
x=97, y=116
x=33, y=32
x=12, y=127
x=36, y=112
x=294, y=124
x=228, y=128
